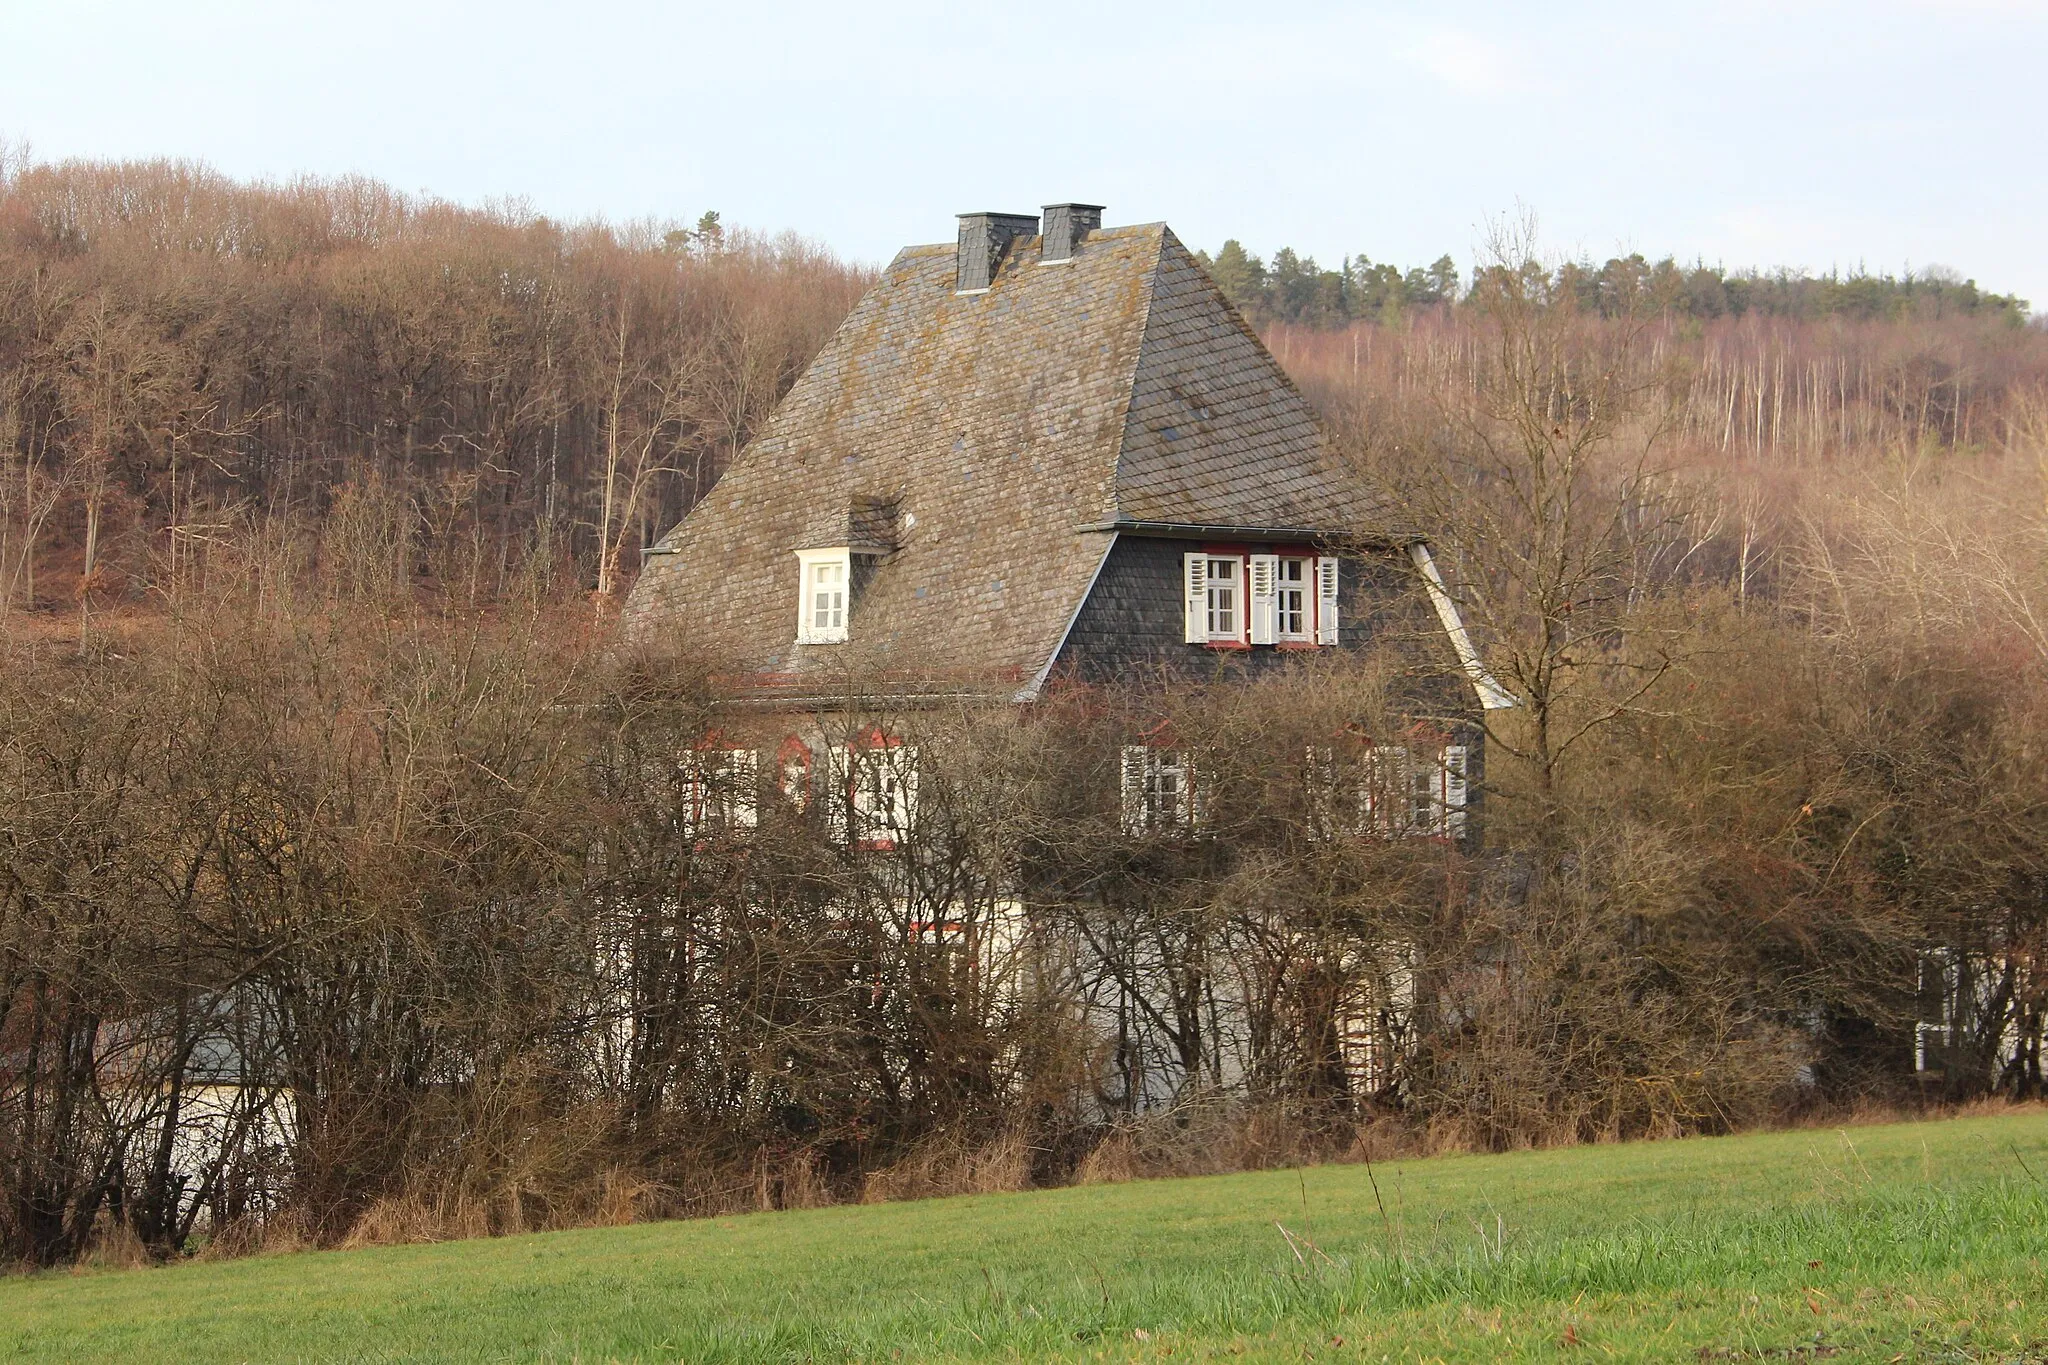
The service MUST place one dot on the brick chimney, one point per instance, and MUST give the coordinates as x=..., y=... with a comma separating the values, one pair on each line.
x=1065, y=226
x=984, y=237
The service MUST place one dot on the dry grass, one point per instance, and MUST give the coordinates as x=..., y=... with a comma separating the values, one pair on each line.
x=1196, y=1139
x=947, y=1165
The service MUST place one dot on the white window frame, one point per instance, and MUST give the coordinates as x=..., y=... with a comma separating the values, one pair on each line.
x=1223, y=597
x=809, y=631
x=1158, y=793
x=1216, y=608
x=874, y=783
x=721, y=791
x=1305, y=587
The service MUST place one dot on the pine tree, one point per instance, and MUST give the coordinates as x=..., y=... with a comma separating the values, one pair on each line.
x=1240, y=275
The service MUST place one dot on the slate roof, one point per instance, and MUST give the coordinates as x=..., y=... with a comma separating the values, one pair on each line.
x=993, y=444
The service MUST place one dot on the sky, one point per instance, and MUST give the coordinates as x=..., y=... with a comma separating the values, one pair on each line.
x=1887, y=135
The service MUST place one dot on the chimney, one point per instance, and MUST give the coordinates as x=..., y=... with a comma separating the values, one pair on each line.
x=1065, y=226
x=984, y=237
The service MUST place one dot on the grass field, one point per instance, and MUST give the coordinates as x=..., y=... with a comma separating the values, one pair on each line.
x=1907, y=1242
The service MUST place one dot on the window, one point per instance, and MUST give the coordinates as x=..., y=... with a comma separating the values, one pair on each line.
x=1375, y=1020
x=1293, y=606
x=1260, y=599
x=884, y=795
x=1382, y=789
x=1403, y=791
x=1221, y=597
x=1158, y=792
x=822, y=601
x=873, y=800
x=1934, y=1036
x=720, y=791
x=828, y=598
x=794, y=779
x=1968, y=1021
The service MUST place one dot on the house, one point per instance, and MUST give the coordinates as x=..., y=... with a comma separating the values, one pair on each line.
x=1047, y=453
x=1048, y=450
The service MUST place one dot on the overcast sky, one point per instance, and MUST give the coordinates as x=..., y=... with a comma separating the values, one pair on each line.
x=1889, y=134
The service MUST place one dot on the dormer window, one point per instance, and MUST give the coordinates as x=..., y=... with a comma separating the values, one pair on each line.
x=826, y=579
x=842, y=551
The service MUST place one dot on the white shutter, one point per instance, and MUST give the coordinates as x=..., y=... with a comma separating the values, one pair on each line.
x=1195, y=574
x=906, y=793
x=1454, y=792
x=1194, y=797
x=1265, y=602
x=838, y=793
x=1135, y=758
x=743, y=790
x=1326, y=600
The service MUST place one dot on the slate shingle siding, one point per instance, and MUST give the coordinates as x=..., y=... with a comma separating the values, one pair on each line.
x=1131, y=624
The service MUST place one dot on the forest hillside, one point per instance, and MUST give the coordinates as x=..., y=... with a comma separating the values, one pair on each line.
x=184, y=358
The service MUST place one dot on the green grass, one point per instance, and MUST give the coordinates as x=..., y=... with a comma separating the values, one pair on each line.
x=1911, y=1242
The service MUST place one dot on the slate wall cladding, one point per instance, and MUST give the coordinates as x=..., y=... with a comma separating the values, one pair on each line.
x=1131, y=623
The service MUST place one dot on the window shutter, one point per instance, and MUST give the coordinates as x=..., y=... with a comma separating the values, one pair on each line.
x=906, y=793
x=838, y=794
x=1326, y=600
x=1194, y=796
x=743, y=776
x=1265, y=602
x=793, y=772
x=1135, y=757
x=1454, y=791
x=1195, y=576
x=693, y=794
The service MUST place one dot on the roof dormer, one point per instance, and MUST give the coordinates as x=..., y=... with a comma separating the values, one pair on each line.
x=846, y=546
